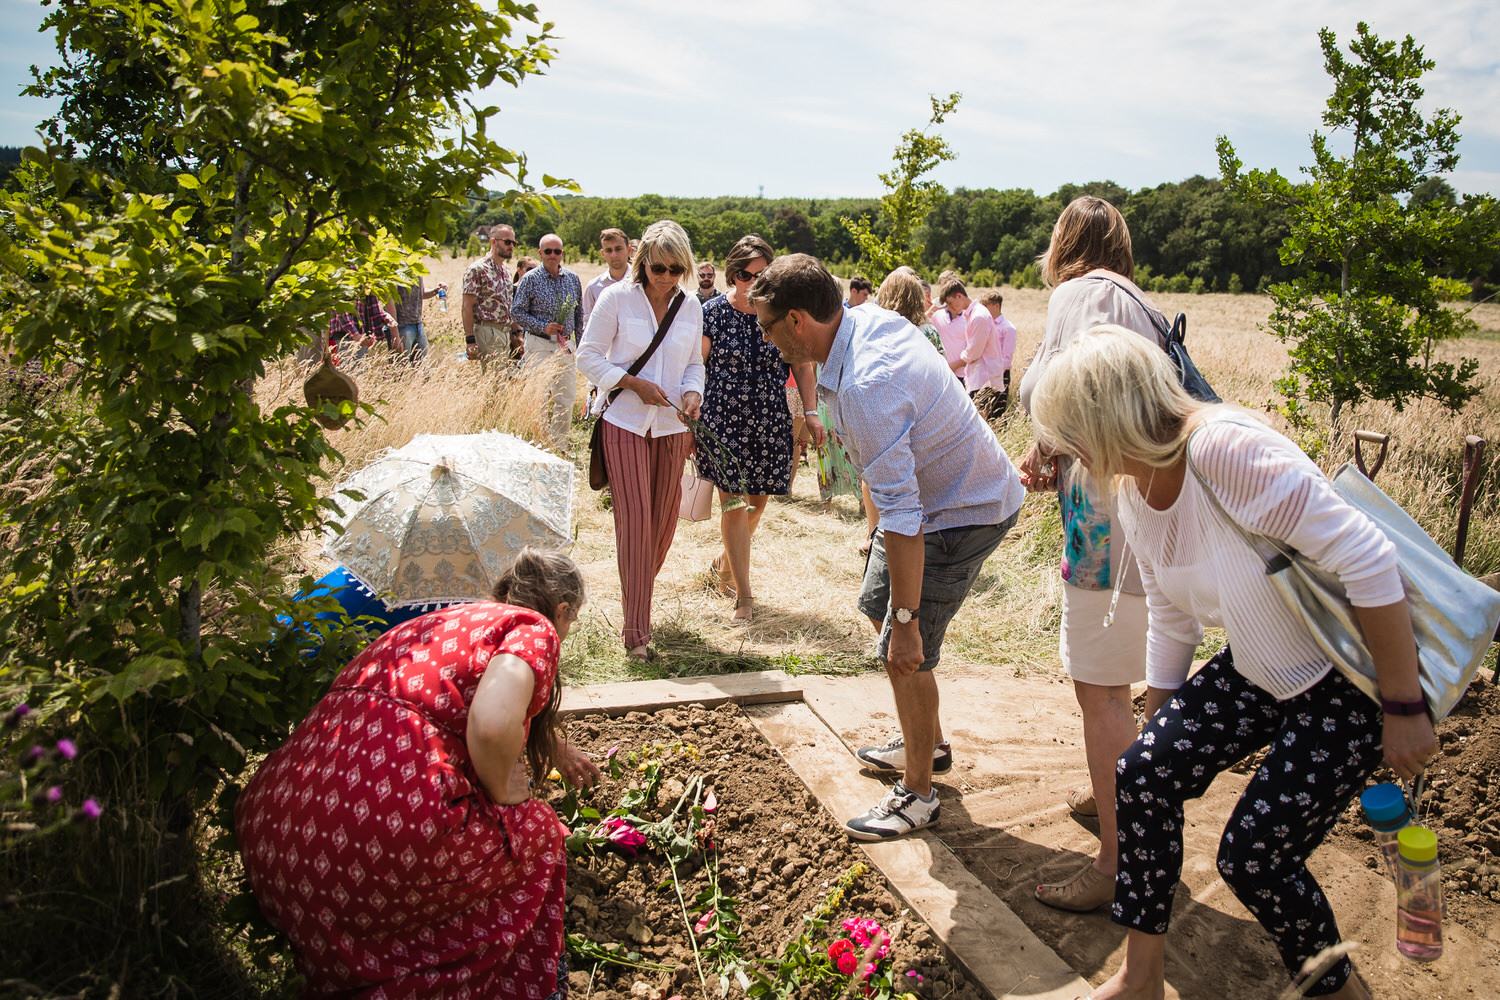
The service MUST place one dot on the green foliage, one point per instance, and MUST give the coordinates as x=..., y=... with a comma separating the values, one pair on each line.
x=220, y=176
x=1367, y=303
x=1026, y=277
x=472, y=248
x=909, y=198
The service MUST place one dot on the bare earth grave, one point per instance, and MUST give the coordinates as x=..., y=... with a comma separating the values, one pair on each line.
x=1004, y=827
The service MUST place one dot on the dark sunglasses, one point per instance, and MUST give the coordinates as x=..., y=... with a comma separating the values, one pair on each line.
x=502, y=239
x=677, y=269
x=743, y=275
x=550, y=253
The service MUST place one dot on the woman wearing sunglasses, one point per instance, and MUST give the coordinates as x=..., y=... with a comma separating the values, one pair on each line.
x=1190, y=478
x=749, y=453
x=645, y=425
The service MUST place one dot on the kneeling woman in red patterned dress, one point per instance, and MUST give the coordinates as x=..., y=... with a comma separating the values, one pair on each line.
x=394, y=839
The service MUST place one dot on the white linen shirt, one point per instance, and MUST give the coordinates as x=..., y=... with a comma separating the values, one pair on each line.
x=619, y=330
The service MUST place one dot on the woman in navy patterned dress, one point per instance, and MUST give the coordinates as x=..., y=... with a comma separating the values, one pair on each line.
x=744, y=407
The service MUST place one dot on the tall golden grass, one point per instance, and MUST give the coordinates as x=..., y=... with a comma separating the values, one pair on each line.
x=805, y=567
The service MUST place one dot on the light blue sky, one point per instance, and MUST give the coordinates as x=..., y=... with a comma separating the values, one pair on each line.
x=808, y=97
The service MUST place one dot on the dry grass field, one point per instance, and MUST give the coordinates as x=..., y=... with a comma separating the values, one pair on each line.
x=805, y=566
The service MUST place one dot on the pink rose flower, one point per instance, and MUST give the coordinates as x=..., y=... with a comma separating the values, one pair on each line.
x=622, y=836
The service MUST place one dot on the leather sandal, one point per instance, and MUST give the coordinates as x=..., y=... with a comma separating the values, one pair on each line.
x=1082, y=801
x=1087, y=890
x=742, y=602
x=723, y=582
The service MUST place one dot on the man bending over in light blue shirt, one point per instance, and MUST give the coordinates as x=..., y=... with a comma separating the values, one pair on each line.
x=945, y=490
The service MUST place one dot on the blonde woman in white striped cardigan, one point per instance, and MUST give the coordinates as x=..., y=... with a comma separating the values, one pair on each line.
x=1111, y=400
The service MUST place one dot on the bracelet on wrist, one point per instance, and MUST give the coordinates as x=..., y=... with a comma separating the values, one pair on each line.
x=809, y=413
x=1390, y=707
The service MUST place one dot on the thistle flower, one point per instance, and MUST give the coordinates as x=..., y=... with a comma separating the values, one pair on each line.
x=66, y=750
x=90, y=810
x=14, y=716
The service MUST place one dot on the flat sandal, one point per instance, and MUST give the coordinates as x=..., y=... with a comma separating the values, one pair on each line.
x=1087, y=890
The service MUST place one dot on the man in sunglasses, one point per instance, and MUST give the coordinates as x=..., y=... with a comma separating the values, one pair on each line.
x=549, y=307
x=487, y=298
x=706, y=289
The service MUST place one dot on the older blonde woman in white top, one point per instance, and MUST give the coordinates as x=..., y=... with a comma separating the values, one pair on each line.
x=1183, y=469
x=645, y=435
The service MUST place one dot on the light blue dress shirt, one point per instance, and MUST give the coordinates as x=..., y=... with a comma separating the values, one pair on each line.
x=931, y=461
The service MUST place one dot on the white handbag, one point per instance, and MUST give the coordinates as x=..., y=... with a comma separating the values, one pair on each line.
x=697, y=495
x=1453, y=615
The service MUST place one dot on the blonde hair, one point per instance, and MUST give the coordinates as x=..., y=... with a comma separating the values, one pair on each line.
x=541, y=580
x=1109, y=396
x=901, y=292
x=1089, y=234
x=663, y=242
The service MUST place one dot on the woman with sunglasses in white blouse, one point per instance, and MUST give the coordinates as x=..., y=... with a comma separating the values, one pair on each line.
x=646, y=439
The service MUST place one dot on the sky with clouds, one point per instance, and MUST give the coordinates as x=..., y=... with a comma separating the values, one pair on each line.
x=808, y=97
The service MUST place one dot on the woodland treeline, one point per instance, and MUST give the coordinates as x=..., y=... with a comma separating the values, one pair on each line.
x=1191, y=235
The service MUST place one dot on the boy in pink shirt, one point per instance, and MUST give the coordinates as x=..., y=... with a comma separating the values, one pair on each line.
x=985, y=373
x=1005, y=337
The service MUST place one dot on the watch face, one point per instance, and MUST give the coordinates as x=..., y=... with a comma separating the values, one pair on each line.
x=904, y=615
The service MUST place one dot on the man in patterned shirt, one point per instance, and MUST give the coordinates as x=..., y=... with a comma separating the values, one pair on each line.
x=487, y=298
x=549, y=307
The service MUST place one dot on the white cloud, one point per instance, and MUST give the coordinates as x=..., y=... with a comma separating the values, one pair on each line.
x=809, y=97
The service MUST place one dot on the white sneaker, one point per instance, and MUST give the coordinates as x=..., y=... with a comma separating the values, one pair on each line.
x=901, y=811
x=892, y=757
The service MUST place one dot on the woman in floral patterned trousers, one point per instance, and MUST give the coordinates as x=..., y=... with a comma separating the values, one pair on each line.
x=1195, y=484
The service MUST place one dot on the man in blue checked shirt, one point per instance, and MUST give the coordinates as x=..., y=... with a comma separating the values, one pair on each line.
x=945, y=490
x=549, y=307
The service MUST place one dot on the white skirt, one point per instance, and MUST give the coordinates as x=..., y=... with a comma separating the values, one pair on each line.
x=1097, y=655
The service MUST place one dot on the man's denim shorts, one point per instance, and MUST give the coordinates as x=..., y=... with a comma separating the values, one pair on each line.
x=951, y=564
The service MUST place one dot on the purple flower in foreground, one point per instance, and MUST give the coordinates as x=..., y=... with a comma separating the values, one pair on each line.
x=66, y=749
x=622, y=836
x=15, y=715
x=33, y=755
x=53, y=795
x=90, y=810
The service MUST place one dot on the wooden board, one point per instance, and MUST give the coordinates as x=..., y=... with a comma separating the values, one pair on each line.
x=989, y=942
x=650, y=696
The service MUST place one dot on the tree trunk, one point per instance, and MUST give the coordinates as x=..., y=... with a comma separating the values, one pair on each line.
x=190, y=618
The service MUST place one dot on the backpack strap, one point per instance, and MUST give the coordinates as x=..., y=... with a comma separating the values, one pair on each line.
x=1166, y=333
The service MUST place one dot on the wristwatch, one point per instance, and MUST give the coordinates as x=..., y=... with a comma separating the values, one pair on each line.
x=904, y=616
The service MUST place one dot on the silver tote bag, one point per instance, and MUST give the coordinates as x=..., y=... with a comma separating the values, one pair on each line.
x=1453, y=614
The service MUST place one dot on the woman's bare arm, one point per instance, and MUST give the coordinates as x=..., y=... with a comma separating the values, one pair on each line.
x=496, y=730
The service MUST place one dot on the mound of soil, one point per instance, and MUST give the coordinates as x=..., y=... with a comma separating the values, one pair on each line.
x=779, y=855
x=1462, y=804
